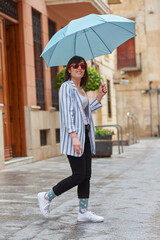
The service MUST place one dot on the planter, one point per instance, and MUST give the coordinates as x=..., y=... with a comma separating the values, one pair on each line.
x=103, y=145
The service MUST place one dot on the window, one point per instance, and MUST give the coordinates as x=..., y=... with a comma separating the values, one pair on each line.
x=54, y=70
x=43, y=137
x=9, y=8
x=36, y=22
x=126, y=54
x=57, y=135
x=109, y=99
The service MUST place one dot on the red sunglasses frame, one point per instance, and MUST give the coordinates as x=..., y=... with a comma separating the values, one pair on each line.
x=79, y=64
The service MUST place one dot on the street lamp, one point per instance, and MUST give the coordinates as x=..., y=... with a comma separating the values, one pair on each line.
x=158, y=108
x=122, y=81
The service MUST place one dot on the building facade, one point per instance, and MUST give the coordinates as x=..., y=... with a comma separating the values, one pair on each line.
x=138, y=65
x=29, y=116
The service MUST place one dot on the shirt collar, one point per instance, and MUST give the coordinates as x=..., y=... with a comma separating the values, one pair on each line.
x=72, y=84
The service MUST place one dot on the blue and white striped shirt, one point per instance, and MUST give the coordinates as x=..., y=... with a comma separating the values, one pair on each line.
x=72, y=118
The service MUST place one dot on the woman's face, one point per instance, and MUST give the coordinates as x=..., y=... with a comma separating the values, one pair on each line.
x=77, y=73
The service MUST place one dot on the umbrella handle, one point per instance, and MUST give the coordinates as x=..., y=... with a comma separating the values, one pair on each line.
x=102, y=81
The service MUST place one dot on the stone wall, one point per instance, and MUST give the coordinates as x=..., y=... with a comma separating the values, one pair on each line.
x=36, y=121
x=130, y=98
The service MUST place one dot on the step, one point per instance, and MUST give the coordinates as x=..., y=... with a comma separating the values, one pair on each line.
x=126, y=142
x=17, y=161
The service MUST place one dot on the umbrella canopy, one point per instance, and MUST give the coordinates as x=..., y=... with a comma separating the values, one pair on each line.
x=89, y=37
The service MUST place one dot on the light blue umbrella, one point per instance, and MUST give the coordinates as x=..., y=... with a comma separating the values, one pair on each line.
x=89, y=37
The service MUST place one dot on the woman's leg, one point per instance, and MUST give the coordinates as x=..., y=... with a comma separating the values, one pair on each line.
x=78, y=167
x=84, y=187
x=81, y=173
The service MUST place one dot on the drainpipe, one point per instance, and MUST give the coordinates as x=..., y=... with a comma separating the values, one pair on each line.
x=158, y=110
x=151, y=108
x=151, y=113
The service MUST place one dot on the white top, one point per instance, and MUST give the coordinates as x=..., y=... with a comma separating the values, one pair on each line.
x=85, y=105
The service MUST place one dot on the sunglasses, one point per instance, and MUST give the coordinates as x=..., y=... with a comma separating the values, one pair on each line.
x=76, y=65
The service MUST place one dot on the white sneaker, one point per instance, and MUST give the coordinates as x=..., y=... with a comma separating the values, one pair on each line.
x=89, y=217
x=44, y=204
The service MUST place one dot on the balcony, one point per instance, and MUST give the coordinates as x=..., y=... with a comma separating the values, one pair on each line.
x=71, y=9
x=132, y=65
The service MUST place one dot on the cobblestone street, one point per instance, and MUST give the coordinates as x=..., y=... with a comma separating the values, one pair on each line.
x=125, y=189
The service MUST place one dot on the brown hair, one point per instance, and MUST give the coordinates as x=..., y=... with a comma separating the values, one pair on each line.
x=67, y=76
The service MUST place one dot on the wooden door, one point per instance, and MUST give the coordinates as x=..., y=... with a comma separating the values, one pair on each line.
x=1, y=83
x=4, y=94
x=11, y=90
x=14, y=88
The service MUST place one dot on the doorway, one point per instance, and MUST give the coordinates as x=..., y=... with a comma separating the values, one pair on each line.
x=12, y=94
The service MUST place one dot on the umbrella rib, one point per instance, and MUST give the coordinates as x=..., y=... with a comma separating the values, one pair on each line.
x=122, y=28
x=88, y=43
x=52, y=53
x=75, y=44
x=101, y=40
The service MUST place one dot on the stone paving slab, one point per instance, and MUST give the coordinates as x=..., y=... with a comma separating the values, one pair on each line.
x=125, y=189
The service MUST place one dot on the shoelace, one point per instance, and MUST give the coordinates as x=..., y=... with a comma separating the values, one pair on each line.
x=91, y=214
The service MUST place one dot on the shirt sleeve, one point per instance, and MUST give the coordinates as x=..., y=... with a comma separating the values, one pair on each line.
x=95, y=105
x=67, y=107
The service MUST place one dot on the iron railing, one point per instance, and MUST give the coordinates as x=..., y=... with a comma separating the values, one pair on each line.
x=132, y=128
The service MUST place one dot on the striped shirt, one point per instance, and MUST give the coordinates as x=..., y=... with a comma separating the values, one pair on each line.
x=72, y=118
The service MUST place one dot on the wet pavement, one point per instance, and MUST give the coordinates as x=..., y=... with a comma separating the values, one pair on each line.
x=125, y=189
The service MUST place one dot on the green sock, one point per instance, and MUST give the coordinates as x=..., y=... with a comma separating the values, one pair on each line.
x=83, y=205
x=50, y=195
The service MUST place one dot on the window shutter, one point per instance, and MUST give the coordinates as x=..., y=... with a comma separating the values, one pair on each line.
x=126, y=54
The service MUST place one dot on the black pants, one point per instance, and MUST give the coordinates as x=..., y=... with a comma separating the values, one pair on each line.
x=81, y=173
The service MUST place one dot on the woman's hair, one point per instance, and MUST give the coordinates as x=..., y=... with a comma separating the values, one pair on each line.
x=77, y=59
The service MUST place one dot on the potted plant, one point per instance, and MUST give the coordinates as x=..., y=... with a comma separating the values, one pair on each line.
x=103, y=142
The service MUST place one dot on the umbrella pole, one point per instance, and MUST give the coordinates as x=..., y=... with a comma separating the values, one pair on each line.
x=96, y=66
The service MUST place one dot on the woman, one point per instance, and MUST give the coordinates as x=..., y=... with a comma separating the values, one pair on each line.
x=77, y=138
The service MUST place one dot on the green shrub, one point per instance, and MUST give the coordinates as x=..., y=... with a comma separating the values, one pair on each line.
x=59, y=78
x=93, y=84
x=102, y=132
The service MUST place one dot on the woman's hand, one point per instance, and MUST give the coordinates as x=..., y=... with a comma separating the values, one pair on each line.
x=102, y=92
x=76, y=143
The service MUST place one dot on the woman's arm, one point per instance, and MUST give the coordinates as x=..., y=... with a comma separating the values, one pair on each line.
x=102, y=92
x=95, y=105
x=67, y=113
x=67, y=107
x=96, y=102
